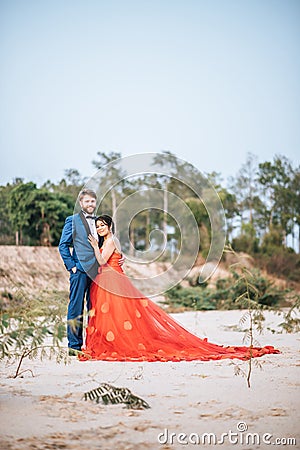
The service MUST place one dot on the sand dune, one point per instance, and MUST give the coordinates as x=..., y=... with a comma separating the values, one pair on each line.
x=48, y=411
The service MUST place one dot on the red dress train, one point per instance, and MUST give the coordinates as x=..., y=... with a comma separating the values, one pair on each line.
x=124, y=325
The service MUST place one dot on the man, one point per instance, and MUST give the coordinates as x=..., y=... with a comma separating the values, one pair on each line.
x=81, y=264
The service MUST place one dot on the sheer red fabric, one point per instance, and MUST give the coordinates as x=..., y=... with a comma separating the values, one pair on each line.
x=124, y=325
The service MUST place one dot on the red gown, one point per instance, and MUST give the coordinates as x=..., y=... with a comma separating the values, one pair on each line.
x=124, y=325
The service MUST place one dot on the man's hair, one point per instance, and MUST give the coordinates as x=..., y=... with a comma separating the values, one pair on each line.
x=87, y=192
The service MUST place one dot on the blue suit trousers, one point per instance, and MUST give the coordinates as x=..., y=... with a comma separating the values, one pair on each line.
x=79, y=290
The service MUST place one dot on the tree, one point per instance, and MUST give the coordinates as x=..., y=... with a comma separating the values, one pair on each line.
x=179, y=180
x=19, y=202
x=275, y=179
x=38, y=214
x=110, y=182
x=7, y=231
x=147, y=219
x=244, y=187
x=295, y=193
x=70, y=185
x=49, y=211
x=228, y=199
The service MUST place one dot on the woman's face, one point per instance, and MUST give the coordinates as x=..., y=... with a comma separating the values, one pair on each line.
x=102, y=228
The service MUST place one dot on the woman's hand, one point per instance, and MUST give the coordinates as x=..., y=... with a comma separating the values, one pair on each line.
x=121, y=260
x=93, y=242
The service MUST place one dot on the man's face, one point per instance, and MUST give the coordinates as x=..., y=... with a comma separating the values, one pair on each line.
x=88, y=204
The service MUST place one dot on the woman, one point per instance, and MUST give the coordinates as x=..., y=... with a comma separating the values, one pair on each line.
x=126, y=325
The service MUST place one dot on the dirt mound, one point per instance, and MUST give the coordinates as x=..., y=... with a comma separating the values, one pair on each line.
x=32, y=269
x=35, y=269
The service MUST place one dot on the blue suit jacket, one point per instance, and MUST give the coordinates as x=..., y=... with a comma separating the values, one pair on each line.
x=74, y=234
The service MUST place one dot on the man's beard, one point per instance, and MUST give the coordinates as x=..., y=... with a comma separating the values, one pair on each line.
x=86, y=210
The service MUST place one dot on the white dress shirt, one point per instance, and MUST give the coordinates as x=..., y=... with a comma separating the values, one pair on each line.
x=92, y=225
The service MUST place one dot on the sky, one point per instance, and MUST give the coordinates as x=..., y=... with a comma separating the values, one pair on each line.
x=208, y=80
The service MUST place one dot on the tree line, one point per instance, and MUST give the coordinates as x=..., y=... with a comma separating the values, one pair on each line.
x=261, y=204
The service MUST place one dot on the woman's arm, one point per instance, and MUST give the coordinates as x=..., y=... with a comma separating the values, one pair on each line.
x=108, y=249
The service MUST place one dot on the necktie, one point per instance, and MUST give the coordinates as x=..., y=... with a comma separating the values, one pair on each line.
x=90, y=217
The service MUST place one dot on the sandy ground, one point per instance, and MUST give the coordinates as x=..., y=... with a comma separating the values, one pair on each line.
x=47, y=411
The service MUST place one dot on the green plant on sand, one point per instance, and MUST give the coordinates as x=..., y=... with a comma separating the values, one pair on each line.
x=33, y=327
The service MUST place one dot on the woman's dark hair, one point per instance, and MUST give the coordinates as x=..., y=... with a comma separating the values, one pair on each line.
x=109, y=222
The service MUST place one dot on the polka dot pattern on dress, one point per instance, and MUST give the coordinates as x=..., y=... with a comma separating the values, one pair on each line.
x=127, y=325
x=110, y=336
x=105, y=308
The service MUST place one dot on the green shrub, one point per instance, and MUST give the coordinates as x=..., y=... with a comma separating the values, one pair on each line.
x=283, y=263
x=196, y=298
x=272, y=241
x=247, y=241
x=227, y=291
